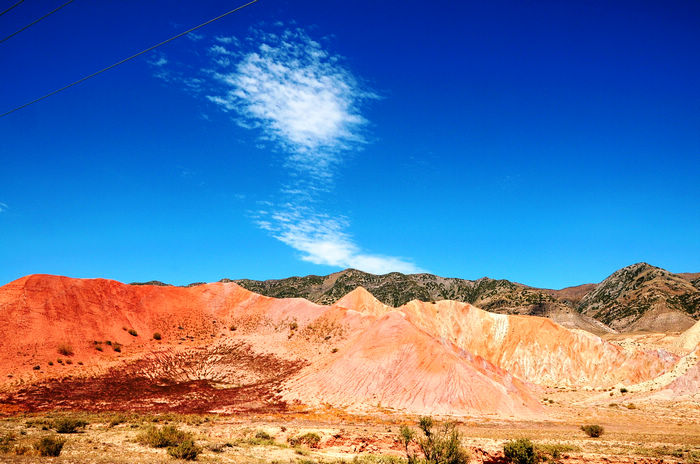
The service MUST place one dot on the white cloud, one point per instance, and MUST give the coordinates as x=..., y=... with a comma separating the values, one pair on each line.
x=227, y=40
x=158, y=60
x=322, y=240
x=306, y=104
x=219, y=50
x=3, y=207
x=299, y=96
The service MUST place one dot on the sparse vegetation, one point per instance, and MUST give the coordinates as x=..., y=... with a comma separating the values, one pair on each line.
x=133, y=333
x=592, y=430
x=65, y=349
x=520, y=451
x=68, y=425
x=186, y=450
x=623, y=390
x=441, y=446
x=6, y=443
x=49, y=446
x=309, y=439
x=117, y=419
x=117, y=347
x=163, y=437
x=552, y=452
x=157, y=336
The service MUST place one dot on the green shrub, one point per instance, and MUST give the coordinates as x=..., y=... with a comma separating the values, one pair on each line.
x=520, y=451
x=163, y=437
x=49, y=446
x=65, y=349
x=438, y=446
x=157, y=336
x=593, y=431
x=309, y=439
x=133, y=333
x=68, y=425
x=623, y=390
x=186, y=450
x=117, y=347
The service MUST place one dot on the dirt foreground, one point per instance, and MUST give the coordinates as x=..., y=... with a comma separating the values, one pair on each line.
x=645, y=433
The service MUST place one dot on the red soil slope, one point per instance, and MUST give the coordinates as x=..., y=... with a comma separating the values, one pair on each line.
x=226, y=349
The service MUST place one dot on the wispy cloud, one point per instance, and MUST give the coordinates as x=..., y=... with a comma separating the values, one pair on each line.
x=302, y=101
x=3, y=207
x=158, y=60
x=322, y=240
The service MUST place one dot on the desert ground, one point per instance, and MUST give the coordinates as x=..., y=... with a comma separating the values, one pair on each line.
x=657, y=432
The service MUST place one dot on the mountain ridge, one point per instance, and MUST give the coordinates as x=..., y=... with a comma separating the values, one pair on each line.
x=672, y=301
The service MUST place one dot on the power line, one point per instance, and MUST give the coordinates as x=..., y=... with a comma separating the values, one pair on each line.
x=11, y=7
x=83, y=79
x=36, y=20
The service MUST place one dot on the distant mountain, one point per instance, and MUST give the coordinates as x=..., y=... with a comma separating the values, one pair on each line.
x=644, y=297
x=637, y=297
x=395, y=289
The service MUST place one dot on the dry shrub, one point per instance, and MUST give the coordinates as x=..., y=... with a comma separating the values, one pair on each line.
x=65, y=349
x=438, y=446
x=592, y=430
x=309, y=439
x=49, y=446
x=68, y=425
x=186, y=450
x=163, y=437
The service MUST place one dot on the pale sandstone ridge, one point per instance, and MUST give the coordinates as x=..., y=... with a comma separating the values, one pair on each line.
x=690, y=338
x=536, y=349
x=363, y=301
x=444, y=357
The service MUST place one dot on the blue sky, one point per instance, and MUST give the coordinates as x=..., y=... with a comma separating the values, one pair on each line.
x=549, y=143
